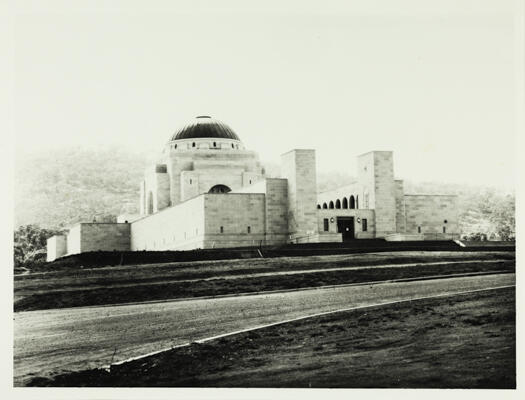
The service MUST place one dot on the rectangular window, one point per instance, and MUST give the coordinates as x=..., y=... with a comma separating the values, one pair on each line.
x=364, y=223
x=444, y=229
x=325, y=223
x=249, y=229
x=418, y=229
x=222, y=229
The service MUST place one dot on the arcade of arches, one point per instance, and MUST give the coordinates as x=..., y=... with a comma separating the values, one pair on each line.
x=351, y=203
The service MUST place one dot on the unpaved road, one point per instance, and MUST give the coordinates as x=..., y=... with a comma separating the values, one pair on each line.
x=50, y=341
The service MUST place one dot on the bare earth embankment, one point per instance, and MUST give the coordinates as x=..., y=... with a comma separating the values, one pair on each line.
x=137, y=283
x=458, y=341
x=135, y=310
x=49, y=342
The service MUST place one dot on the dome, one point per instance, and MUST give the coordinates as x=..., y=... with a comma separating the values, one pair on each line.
x=205, y=127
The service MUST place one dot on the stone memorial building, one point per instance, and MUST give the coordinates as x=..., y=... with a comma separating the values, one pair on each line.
x=208, y=191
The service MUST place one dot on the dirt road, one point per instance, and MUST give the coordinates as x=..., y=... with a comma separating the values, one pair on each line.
x=51, y=341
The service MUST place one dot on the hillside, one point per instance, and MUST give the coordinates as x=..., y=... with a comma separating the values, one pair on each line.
x=59, y=189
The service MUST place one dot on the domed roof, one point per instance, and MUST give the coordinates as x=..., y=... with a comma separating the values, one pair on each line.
x=205, y=127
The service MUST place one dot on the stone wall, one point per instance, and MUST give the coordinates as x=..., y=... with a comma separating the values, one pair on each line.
x=174, y=228
x=276, y=207
x=298, y=167
x=193, y=183
x=197, y=223
x=104, y=237
x=358, y=226
x=73, y=240
x=400, y=206
x=209, y=167
x=56, y=247
x=430, y=213
x=276, y=211
x=376, y=174
x=127, y=218
x=241, y=217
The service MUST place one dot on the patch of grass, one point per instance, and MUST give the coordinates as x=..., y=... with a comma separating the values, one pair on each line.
x=42, y=297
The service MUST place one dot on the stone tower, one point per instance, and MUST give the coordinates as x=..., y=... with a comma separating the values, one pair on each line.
x=298, y=167
x=376, y=174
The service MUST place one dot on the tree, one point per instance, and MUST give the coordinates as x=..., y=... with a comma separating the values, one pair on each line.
x=30, y=242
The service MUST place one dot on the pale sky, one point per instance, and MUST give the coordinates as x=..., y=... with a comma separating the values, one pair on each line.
x=434, y=81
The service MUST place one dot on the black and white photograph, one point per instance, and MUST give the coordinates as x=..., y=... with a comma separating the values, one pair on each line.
x=277, y=199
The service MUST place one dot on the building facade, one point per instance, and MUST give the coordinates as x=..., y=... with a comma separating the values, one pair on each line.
x=208, y=191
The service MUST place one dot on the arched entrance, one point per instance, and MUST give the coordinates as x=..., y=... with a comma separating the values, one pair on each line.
x=220, y=189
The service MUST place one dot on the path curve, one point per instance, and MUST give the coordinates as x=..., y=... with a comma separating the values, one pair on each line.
x=51, y=341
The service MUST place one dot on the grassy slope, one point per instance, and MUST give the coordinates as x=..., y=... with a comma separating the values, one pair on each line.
x=465, y=341
x=142, y=283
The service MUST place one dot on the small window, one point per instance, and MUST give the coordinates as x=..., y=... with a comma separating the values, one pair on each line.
x=175, y=146
x=250, y=181
x=325, y=225
x=190, y=181
x=364, y=224
x=444, y=229
x=319, y=206
x=418, y=229
x=193, y=144
x=222, y=229
x=325, y=206
x=232, y=146
x=249, y=229
x=214, y=144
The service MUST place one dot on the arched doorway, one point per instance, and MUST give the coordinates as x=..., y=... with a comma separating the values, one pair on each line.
x=220, y=189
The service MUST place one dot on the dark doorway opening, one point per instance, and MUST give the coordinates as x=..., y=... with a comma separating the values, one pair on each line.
x=219, y=189
x=345, y=226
